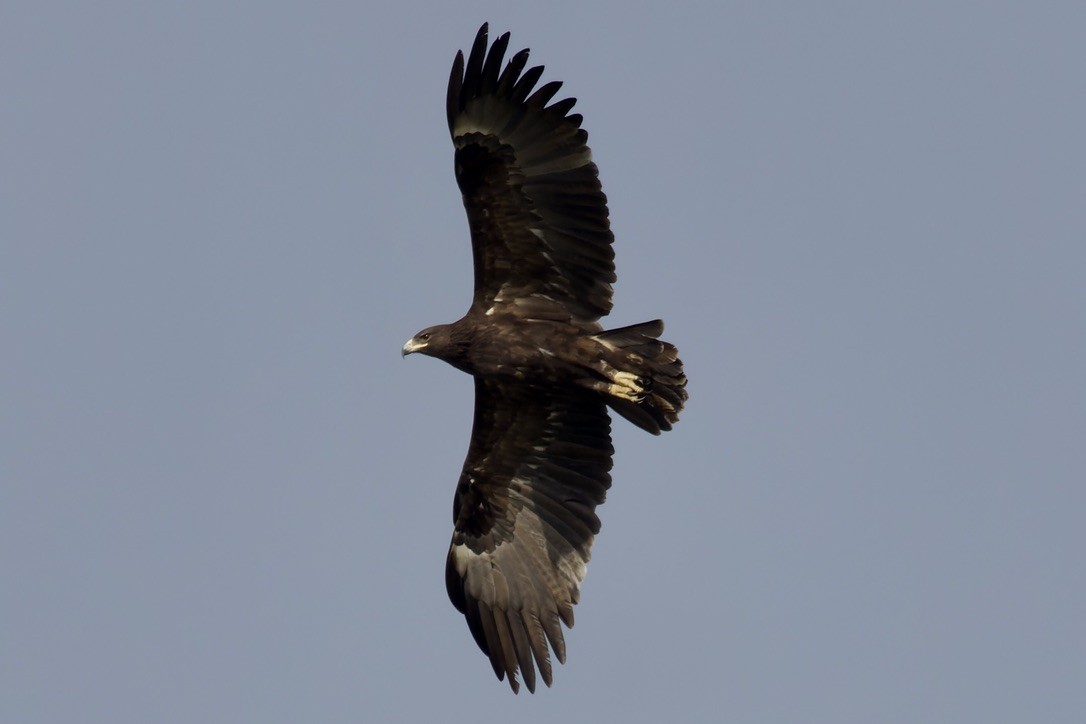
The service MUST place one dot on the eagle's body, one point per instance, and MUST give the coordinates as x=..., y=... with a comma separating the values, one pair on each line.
x=545, y=370
x=500, y=346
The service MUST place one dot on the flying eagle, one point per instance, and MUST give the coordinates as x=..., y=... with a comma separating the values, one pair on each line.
x=545, y=370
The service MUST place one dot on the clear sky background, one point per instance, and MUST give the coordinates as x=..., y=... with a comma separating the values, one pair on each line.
x=226, y=498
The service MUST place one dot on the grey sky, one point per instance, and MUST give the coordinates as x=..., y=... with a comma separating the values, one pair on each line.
x=224, y=497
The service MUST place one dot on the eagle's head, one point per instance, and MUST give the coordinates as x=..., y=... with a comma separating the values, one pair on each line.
x=439, y=341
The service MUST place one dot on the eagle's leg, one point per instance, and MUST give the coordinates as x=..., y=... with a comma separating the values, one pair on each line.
x=610, y=389
x=621, y=384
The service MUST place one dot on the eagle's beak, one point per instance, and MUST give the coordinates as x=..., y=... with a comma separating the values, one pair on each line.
x=413, y=345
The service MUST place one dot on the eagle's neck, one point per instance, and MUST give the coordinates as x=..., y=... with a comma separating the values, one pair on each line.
x=456, y=345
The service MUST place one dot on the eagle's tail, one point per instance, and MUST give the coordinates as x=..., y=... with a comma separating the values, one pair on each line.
x=647, y=380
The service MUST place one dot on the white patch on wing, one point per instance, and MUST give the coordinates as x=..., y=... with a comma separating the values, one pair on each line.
x=465, y=124
x=564, y=163
x=570, y=563
x=572, y=567
x=463, y=556
x=532, y=302
x=541, y=234
x=605, y=343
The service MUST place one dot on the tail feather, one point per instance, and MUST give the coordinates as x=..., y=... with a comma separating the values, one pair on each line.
x=637, y=350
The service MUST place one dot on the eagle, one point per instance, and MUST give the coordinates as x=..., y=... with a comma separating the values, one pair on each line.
x=546, y=372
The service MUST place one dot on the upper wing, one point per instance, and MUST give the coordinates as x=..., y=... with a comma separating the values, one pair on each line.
x=538, y=465
x=536, y=209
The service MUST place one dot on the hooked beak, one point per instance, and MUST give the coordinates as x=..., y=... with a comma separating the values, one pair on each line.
x=413, y=345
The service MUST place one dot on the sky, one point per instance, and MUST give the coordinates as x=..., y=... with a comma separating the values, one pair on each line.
x=225, y=497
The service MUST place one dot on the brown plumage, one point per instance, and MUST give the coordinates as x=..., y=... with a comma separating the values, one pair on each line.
x=545, y=370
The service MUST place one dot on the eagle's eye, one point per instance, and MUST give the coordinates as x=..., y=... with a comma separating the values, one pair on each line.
x=425, y=336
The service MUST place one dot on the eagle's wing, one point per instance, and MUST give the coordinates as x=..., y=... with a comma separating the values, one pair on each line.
x=538, y=465
x=538, y=216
